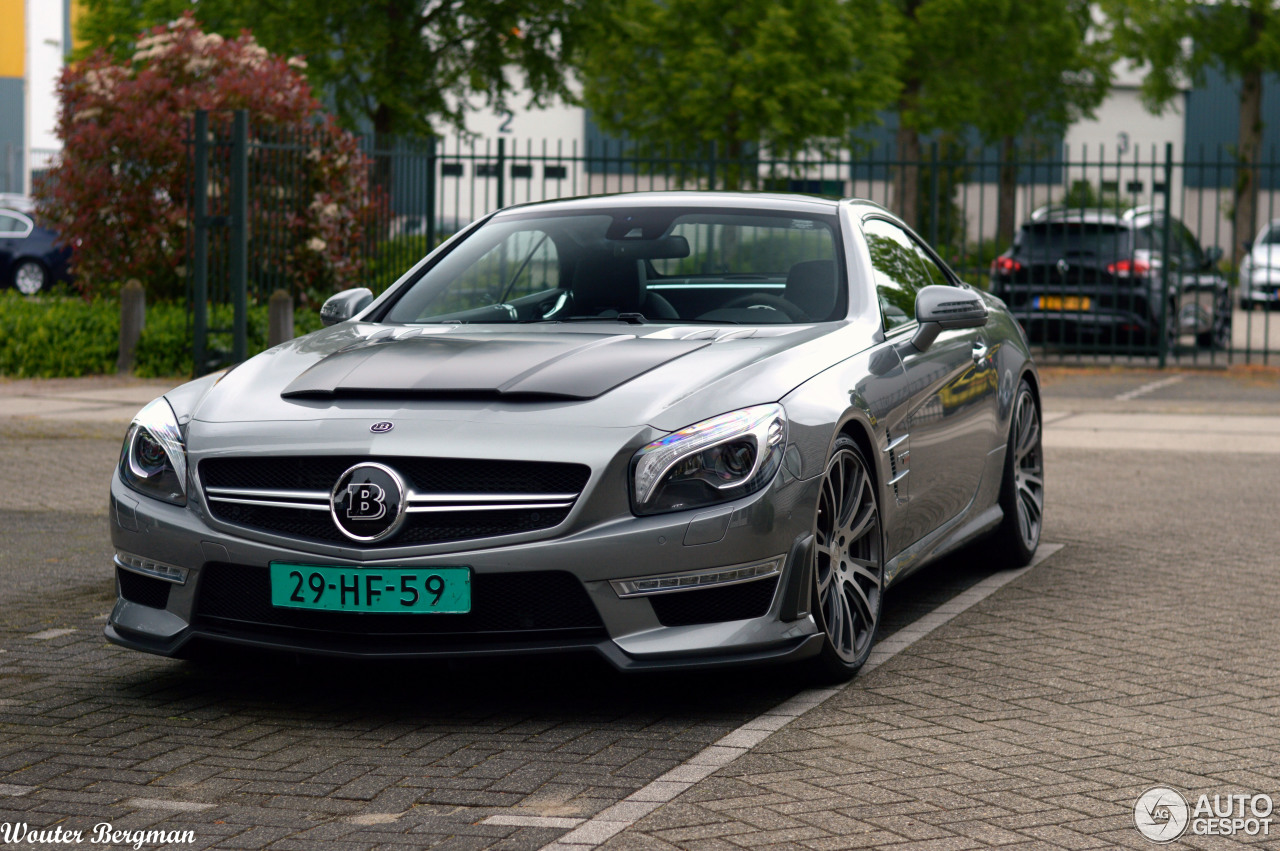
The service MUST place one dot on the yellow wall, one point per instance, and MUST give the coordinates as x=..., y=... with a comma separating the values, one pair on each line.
x=13, y=38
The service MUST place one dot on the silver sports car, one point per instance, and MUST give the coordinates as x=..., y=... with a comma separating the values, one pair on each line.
x=675, y=429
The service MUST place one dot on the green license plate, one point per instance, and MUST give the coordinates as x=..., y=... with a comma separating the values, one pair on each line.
x=413, y=590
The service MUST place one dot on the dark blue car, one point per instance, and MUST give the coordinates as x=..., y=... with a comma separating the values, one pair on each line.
x=30, y=259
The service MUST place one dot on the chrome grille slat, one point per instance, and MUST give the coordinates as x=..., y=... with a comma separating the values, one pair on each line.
x=462, y=499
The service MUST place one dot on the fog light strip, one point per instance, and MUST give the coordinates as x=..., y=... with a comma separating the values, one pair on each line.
x=669, y=583
x=149, y=567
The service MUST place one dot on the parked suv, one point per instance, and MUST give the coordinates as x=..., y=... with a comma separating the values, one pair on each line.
x=1094, y=276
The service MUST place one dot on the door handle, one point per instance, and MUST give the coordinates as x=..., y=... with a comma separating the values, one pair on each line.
x=980, y=351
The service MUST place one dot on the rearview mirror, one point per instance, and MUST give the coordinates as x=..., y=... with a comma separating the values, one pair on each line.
x=941, y=309
x=344, y=305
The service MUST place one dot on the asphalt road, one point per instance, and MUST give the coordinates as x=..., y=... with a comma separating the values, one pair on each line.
x=1173, y=546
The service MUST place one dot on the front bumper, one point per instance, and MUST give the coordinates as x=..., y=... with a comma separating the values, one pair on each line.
x=631, y=634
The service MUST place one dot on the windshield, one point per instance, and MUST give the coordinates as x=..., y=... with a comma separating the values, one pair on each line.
x=1068, y=239
x=638, y=264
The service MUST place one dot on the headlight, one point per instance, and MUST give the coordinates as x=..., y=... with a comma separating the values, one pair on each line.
x=714, y=461
x=154, y=458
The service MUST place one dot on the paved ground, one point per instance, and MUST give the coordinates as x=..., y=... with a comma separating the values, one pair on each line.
x=1143, y=652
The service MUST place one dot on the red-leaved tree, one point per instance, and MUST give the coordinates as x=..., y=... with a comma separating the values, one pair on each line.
x=120, y=193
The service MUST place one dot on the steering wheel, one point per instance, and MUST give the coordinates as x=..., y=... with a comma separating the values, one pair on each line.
x=772, y=302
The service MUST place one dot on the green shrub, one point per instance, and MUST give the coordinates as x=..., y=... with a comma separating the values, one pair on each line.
x=57, y=337
x=60, y=337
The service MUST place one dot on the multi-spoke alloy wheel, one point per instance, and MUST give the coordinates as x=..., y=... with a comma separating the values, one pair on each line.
x=1022, y=493
x=29, y=277
x=849, y=561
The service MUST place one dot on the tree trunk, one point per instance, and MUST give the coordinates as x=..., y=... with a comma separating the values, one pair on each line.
x=906, y=183
x=1246, y=197
x=1007, y=193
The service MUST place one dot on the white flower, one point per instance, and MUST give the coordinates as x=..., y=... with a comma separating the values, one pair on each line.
x=316, y=244
x=297, y=62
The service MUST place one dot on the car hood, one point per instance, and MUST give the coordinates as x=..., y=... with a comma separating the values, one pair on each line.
x=599, y=374
x=1265, y=255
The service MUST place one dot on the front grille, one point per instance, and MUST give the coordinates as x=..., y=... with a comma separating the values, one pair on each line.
x=714, y=605
x=143, y=590
x=526, y=496
x=504, y=607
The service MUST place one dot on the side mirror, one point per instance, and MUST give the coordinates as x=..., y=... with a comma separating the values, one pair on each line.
x=1247, y=245
x=344, y=305
x=1211, y=256
x=941, y=309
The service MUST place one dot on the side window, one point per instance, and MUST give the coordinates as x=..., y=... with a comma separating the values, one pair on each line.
x=931, y=269
x=12, y=225
x=1192, y=256
x=899, y=272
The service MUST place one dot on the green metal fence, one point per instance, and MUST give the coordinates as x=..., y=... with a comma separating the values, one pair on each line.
x=249, y=184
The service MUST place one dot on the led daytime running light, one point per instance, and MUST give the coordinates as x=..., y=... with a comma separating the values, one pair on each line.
x=150, y=567
x=667, y=583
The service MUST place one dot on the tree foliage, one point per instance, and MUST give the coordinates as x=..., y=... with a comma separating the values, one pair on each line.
x=678, y=75
x=408, y=67
x=120, y=192
x=1007, y=68
x=1178, y=41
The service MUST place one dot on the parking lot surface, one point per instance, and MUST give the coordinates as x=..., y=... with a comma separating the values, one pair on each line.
x=1012, y=710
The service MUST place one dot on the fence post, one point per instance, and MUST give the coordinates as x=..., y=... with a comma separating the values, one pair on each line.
x=239, y=272
x=431, y=193
x=502, y=172
x=711, y=167
x=200, y=261
x=1163, y=336
x=279, y=318
x=133, y=318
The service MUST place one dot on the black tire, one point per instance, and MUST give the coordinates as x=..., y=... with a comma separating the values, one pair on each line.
x=30, y=276
x=1022, y=487
x=848, y=564
x=1246, y=304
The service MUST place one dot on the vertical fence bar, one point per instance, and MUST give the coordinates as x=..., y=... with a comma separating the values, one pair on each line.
x=239, y=271
x=432, y=169
x=200, y=265
x=1161, y=334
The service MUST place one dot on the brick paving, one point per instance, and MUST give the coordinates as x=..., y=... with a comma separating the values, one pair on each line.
x=1143, y=653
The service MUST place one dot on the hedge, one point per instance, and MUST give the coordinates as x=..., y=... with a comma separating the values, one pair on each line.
x=64, y=337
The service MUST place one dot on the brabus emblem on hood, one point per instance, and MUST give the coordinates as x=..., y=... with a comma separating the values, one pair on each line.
x=379, y=428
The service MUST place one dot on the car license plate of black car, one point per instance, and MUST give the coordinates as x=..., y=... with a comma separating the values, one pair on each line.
x=1065, y=302
x=412, y=590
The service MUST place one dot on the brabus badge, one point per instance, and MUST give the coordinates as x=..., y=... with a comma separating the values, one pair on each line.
x=379, y=428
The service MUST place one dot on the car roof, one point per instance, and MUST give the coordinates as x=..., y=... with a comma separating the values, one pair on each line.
x=1092, y=215
x=795, y=203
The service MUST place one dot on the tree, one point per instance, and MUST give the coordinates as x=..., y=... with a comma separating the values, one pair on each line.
x=1180, y=40
x=119, y=194
x=405, y=67
x=678, y=75
x=1007, y=68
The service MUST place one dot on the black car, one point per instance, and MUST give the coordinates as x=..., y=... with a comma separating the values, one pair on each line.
x=30, y=258
x=1094, y=276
